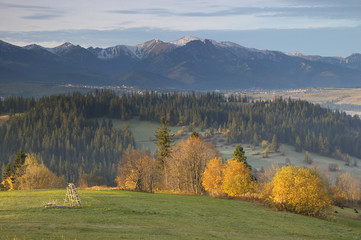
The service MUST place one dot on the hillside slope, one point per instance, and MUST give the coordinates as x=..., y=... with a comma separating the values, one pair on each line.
x=131, y=215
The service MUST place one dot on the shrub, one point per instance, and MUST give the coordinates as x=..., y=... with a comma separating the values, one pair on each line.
x=300, y=190
x=237, y=179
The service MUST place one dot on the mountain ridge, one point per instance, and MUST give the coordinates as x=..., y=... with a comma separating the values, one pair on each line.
x=186, y=63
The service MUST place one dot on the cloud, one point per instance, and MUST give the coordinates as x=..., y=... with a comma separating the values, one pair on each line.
x=299, y=8
x=150, y=11
x=42, y=16
x=35, y=12
x=7, y=5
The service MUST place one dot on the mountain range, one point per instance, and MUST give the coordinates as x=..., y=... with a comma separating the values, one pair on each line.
x=187, y=63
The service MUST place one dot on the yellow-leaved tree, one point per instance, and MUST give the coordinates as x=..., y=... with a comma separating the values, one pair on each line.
x=213, y=177
x=137, y=171
x=300, y=190
x=237, y=179
x=186, y=164
x=35, y=175
x=347, y=190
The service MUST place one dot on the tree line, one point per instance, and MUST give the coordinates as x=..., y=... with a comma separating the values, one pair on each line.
x=193, y=166
x=64, y=131
x=56, y=128
x=296, y=122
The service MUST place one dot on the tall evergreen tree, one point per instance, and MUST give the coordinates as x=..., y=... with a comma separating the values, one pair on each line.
x=298, y=144
x=164, y=141
x=194, y=134
x=239, y=155
x=19, y=161
x=7, y=172
x=255, y=139
x=274, y=144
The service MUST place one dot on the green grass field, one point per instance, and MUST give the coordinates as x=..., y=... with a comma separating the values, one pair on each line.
x=144, y=131
x=130, y=215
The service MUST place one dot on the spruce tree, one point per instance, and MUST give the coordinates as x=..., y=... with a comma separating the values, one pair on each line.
x=298, y=144
x=19, y=160
x=274, y=144
x=164, y=141
x=239, y=155
x=7, y=172
x=194, y=134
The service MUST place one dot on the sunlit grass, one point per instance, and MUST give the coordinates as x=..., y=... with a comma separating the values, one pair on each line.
x=131, y=215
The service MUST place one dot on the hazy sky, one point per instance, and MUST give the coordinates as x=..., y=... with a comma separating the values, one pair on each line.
x=323, y=27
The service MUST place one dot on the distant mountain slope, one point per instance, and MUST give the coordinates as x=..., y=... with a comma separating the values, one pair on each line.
x=187, y=63
x=36, y=64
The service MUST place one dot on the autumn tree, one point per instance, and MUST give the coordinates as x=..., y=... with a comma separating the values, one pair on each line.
x=8, y=178
x=266, y=152
x=265, y=144
x=347, y=190
x=300, y=190
x=37, y=176
x=308, y=158
x=137, y=171
x=186, y=164
x=281, y=149
x=264, y=179
x=13, y=171
x=164, y=141
x=213, y=176
x=237, y=179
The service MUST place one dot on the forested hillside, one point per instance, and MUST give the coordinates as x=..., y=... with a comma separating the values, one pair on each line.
x=63, y=129
x=57, y=130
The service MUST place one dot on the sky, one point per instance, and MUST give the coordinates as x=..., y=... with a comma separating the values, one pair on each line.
x=312, y=27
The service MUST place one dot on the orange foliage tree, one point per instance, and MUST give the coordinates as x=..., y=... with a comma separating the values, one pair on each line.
x=300, y=190
x=137, y=171
x=185, y=165
x=35, y=175
x=347, y=190
x=237, y=179
x=213, y=177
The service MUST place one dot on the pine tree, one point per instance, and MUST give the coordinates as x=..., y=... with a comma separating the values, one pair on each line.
x=164, y=141
x=7, y=177
x=255, y=139
x=194, y=134
x=19, y=160
x=239, y=155
x=298, y=144
x=274, y=144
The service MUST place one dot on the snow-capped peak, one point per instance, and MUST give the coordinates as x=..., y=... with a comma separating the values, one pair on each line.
x=184, y=40
x=33, y=47
x=144, y=49
x=296, y=54
x=66, y=45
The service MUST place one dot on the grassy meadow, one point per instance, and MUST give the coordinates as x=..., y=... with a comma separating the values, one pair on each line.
x=144, y=131
x=131, y=215
x=322, y=96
